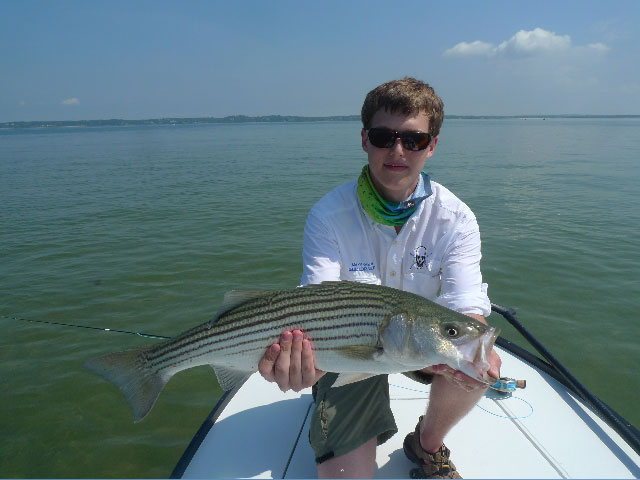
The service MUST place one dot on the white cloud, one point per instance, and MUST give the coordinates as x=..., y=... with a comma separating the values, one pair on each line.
x=524, y=43
x=463, y=49
x=71, y=101
x=599, y=47
x=535, y=41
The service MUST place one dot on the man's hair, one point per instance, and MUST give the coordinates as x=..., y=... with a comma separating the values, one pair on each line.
x=407, y=96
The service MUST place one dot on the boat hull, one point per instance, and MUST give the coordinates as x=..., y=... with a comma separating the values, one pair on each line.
x=543, y=431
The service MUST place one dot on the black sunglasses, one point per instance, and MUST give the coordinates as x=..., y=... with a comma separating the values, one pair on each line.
x=382, y=137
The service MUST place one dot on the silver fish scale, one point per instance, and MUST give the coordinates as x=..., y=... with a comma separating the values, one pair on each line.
x=332, y=316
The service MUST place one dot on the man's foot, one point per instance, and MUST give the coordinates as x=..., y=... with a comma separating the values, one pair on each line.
x=432, y=465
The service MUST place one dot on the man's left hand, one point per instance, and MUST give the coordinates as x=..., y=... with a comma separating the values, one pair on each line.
x=463, y=380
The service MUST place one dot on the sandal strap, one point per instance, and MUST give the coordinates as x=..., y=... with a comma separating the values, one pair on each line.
x=432, y=465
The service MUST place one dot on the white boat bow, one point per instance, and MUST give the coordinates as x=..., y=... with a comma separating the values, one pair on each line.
x=542, y=431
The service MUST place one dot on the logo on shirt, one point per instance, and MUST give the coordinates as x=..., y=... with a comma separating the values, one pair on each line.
x=419, y=258
x=362, y=267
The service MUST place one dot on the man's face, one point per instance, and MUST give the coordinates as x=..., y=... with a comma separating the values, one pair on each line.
x=395, y=171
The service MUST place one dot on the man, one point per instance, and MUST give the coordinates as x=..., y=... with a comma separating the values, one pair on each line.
x=395, y=227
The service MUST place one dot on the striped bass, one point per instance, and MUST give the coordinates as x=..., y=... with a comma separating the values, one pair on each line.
x=354, y=328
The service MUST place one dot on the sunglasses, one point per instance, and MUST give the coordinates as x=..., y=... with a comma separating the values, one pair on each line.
x=382, y=137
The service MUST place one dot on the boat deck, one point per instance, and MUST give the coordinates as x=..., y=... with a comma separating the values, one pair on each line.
x=542, y=431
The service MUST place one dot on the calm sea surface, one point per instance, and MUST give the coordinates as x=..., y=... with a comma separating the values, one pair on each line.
x=144, y=229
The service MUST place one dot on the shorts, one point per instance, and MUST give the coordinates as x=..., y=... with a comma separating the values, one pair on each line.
x=349, y=416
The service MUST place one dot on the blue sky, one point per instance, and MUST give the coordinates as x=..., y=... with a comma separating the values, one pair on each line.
x=70, y=60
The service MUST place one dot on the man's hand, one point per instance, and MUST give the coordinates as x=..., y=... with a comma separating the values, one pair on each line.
x=462, y=379
x=289, y=362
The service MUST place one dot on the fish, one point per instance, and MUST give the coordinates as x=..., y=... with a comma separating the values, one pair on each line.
x=357, y=330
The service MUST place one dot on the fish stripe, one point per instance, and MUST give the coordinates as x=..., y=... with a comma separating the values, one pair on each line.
x=293, y=314
x=248, y=311
x=223, y=344
x=257, y=314
x=200, y=339
x=315, y=348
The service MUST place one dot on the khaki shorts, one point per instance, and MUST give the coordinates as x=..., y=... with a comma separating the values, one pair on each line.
x=347, y=417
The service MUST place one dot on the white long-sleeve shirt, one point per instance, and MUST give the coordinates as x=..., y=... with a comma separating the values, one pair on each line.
x=436, y=254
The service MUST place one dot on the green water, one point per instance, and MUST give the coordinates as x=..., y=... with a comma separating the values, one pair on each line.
x=145, y=228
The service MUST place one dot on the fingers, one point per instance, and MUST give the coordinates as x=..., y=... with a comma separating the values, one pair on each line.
x=310, y=374
x=302, y=371
x=466, y=382
x=283, y=362
x=290, y=363
x=437, y=369
x=461, y=379
x=494, y=364
x=457, y=377
x=267, y=362
x=295, y=362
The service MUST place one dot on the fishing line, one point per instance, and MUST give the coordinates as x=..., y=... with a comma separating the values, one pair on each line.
x=89, y=327
x=507, y=416
x=478, y=405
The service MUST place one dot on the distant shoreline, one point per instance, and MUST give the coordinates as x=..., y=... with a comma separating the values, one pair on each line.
x=261, y=119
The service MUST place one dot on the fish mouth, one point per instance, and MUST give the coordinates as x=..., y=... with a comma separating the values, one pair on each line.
x=476, y=354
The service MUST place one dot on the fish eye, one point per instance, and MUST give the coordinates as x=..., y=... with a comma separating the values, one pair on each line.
x=452, y=332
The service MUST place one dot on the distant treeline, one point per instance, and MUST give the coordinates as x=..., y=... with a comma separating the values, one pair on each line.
x=178, y=121
x=260, y=119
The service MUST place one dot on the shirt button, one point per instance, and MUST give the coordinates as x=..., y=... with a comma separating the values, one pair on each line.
x=395, y=242
x=393, y=273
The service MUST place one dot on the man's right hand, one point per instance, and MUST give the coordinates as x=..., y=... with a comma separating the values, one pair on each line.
x=289, y=362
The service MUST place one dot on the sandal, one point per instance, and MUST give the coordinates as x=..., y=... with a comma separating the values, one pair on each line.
x=432, y=465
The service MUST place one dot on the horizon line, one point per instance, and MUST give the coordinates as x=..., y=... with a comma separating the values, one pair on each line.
x=274, y=118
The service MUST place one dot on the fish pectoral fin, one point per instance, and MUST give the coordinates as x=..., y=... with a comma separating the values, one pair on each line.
x=359, y=352
x=347, y=378
x=229, y=378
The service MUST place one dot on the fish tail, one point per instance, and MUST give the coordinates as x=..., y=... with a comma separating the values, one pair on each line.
x=130, y=371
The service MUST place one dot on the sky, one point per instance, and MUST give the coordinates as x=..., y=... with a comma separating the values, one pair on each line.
x=75, y=60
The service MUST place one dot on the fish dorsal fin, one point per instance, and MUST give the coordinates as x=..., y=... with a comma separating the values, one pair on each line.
x=233, y=298
x=347, y=378
x=229, y=378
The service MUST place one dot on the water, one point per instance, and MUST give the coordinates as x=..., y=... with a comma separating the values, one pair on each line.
x=144, y=229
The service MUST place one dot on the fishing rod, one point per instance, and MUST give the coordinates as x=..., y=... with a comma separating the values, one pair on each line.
x=627, y=431
x=75, y=325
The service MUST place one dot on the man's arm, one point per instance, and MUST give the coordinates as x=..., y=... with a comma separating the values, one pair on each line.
x=462, y=290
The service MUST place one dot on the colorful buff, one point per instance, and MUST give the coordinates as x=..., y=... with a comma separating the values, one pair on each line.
x=390, y=213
